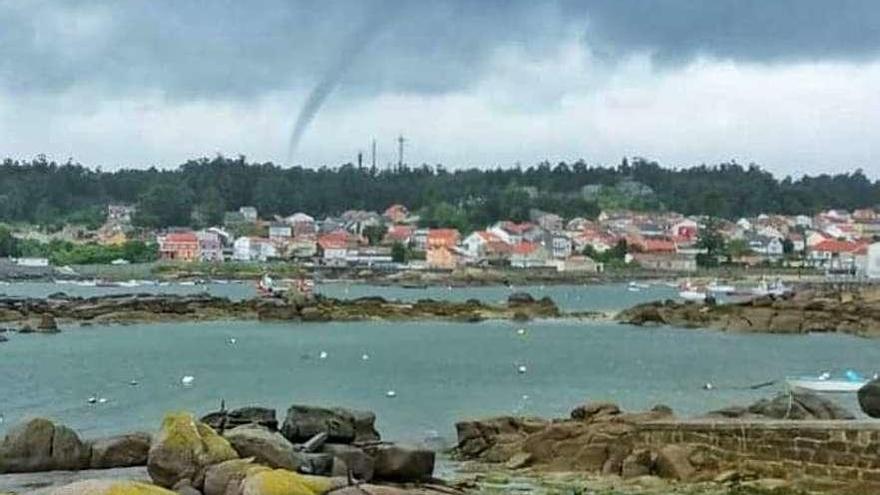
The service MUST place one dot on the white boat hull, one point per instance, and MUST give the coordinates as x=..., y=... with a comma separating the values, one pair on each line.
x=691, y=295
x=842, y=386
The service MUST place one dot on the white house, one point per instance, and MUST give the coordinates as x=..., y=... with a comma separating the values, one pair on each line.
x=280, y=232
x=249, y=213
x=872, y=261
x=253, y=249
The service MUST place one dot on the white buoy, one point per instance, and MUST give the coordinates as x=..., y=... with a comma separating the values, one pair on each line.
x=521, y=331
x=133, y=383
x=102, y=400
x=323, y=355
x=708, y=386
x=521, y=369
x=365, y=357
x=231, y=341
x=92, y=400
x=187, y=380
x=391, y=394
x=525, y=397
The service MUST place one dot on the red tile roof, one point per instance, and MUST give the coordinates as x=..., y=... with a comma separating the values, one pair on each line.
x=835, y=246
x=181, y=237
x=524, y=248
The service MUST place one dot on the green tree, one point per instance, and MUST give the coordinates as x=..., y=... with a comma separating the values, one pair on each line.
x=375, y=233
x=399, y=253
x=164, y=205
x=8, y=243
x=712, y=241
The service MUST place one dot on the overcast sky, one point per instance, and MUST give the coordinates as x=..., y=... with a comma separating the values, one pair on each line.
x=793, y=85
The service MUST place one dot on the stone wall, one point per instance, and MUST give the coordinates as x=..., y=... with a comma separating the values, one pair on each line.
x=838, y=450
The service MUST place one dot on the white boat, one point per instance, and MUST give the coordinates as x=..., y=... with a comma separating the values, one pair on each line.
x=817, y=385
x=690, y=293
x=639, y=285
x=715, y=287
x=851, y=382
x=776, y=288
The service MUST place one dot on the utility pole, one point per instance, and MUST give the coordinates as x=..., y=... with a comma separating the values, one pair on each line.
x=400, y=142
x=374, y=153
x=360, y=160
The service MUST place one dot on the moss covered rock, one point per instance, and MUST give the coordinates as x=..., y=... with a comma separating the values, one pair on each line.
x=110, y=487
x=282, y=482
x=183, y=449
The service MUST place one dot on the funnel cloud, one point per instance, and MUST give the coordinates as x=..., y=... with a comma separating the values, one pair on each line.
x=353, y=47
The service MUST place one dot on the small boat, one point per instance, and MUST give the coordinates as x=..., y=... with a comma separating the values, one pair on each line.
x=851, y=382
x=689, y=292
x=776, y=288
x=716, y=287
x=639, y=285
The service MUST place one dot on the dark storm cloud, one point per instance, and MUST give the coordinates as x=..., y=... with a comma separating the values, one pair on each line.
x=235, y=49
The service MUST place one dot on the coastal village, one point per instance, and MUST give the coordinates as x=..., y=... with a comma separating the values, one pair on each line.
x=834, y=242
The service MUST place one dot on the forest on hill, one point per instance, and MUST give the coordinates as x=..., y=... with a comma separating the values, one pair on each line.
x=198, y=192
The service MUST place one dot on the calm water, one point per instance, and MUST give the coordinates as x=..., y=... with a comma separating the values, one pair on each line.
x=441, y=372
x=568, y=297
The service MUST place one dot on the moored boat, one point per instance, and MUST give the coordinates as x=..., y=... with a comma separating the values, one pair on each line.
x=851, y=382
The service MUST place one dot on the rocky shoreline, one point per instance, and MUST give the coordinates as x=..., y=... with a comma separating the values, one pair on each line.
x=853, y=310
x=315, y=450
x=44, y=314
x=793, y=443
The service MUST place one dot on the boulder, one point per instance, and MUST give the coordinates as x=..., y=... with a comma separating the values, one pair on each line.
x=520, y=298
x=869, y=398
x=350, y=459
x=799, y=404
x=47, y=324
x=262, y=416
x=311, y=313
x=109, y=487
x=281, y=482
x=225, y=478
x=591, y=410
x=402, y=464
x=341, y=425
x=637, y=463
x=183, y=449
x=673, y=463
x=120, y=451
x=266, y=447
x=40, y=445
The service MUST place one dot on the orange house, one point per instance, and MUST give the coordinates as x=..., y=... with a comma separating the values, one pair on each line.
x=447, y=238
x=179, y=246
x=442, y=258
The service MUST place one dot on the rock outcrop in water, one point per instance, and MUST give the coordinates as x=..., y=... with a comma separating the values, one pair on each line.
x=44, y=314
x=853, y=311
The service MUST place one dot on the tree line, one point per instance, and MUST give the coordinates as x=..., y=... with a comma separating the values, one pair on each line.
x=198, y=192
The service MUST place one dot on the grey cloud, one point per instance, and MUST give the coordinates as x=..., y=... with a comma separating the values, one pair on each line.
x=232, y=49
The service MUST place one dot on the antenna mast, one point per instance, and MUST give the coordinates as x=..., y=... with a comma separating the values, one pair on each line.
x=400, y=142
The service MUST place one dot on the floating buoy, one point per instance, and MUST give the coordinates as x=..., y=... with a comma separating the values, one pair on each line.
x=323, y=355
x=231, y=341
x=365, y=357
x=708, y=386
x=133, y=383
x=187, y=380
x=391, y=394
x=102, y=400
x=525, y=397
x=92, y=400
x=521, y=331
x=521, y=369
